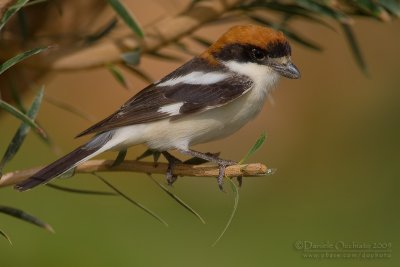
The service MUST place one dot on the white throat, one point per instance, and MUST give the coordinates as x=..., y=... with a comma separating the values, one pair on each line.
x=264, y=78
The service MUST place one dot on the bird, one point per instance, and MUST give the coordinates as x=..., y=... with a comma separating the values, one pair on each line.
x=207, y=98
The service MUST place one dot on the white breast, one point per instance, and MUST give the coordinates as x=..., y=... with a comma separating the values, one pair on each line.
x=209, y=125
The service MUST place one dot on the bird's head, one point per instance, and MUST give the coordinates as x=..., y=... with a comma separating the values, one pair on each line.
x=255, y=45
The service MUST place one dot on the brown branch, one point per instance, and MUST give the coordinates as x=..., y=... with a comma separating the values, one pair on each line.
x=246, y=170
x=156, y=36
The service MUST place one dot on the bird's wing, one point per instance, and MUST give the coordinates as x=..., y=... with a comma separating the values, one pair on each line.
x=176, y=95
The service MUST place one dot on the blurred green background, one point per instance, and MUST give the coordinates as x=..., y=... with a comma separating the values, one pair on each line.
x=333, y=137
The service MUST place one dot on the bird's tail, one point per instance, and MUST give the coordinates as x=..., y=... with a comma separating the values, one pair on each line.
x=98, y=144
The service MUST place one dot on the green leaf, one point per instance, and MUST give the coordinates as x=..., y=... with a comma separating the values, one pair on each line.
x=288, y=9
x=183, y=48
x=69, y=108
x=351, y=39
x=20, y=57
x=2, y=233
x=134, y=202
x=177, y=199
x=116, y=73
x=132, y=58
x=140, y=73
x=235, y=191
x=127, y=17
x=15, y=96
x=286, y=31
x=321, y=9
x=11, y=11
x=369, y=7
x=392, y=6
x=80, y=191
x=23, y=25
x=19, y=214
x=18, y=114
x=201, y=40
x=102, y=32
x=17, y=99
x=301, y=40
x=165, y=56
x=260, y=141
x=67, y=174
x=22, y=131
x=35, y=2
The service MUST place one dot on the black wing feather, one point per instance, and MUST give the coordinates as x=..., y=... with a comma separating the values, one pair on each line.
x=144, y=106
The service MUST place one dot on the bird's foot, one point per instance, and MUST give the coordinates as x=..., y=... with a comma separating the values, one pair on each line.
x=222, y=164
x=172, y=161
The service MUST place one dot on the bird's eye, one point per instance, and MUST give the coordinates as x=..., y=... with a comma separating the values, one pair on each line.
x=258, y=54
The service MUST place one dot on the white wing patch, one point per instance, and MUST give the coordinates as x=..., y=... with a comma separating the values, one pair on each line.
x=171, y=109
x=196, y=77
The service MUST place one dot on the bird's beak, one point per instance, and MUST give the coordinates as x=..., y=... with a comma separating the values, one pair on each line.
x=288, y=70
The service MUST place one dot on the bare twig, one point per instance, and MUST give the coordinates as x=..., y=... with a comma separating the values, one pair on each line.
x=252, y=169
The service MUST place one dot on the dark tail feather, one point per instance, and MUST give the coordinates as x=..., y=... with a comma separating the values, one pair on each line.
x=65, y=163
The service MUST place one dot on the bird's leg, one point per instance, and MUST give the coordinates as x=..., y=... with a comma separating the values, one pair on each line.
x=172, y=161
x=211, y=158
x=120, y=157
x=150, y=152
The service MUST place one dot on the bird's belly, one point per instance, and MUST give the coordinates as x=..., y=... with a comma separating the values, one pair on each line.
x=203, y=127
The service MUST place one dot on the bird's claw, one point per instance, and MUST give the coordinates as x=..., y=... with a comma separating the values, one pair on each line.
x=172, y=161
x=222, y=164
x=221, y=176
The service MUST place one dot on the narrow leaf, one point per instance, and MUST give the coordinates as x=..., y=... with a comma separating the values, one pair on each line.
x=351, y=39
x=286, y=31
x=21, y=116
x=35, y=2
x=80, y=191
x=392, y=6
x=23, y=25
x=106, y=29
x=20, y=57
x=178, y=200
x=127, y=17
x=183, y=48
x=17, y=99
x=67, y=174
x=301, y=40
x=288, y=9
x=235, y=191
x=2, y=233
x=260, y=141
x=69, y=108
x=116, y=73
x=201, y=40
x=22, y=131
x=321, y=9
x=134, y=202
x=164, y=56
x=11, y=11
x=15, y=96
x=372, y=8
x=132, y=58
x=140, y=73
x=19, y=214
